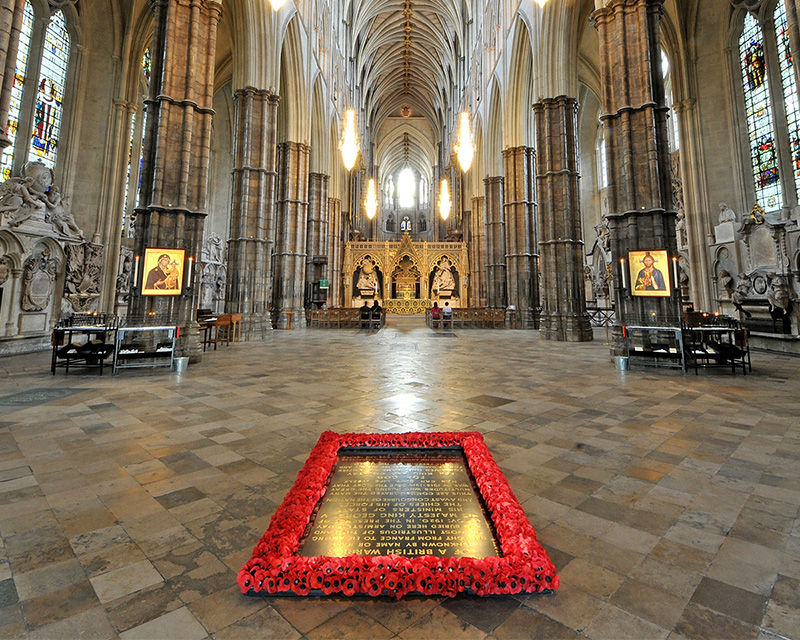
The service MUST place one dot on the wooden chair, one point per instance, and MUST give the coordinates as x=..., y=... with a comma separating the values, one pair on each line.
x=236, y=327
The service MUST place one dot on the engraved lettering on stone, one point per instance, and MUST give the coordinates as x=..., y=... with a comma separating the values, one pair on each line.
x=408, y=508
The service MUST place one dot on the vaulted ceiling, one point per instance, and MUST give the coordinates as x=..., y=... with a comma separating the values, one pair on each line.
x=406, y=57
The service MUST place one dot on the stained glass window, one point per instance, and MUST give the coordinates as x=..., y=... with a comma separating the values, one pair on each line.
x=135, y=155
x=789, y=85
x=147, y=65
x=760, y=121
x=50, y=92
x=16, y=90
x=126, y=219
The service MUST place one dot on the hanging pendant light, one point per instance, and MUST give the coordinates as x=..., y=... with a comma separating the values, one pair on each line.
x=541, y=3
x=371, y=203
x=349, y=144
x=277, y=4
x=464, y=149
x=444, y=200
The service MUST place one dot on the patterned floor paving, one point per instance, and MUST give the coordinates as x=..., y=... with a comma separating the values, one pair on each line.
x=669, y=503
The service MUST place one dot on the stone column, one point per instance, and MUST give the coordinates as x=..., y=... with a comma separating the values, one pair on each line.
x=792, y=19
x=249, y=285
x=11, y=13
x=477, y=260
x=641, y=210
x=317, y=239
x=495, y=244
x=174, y=180
x=564, y=314
x=290, y=239
x=520, y=234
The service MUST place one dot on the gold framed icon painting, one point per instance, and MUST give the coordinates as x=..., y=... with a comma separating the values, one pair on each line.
x=649, y=271
x=163, y=272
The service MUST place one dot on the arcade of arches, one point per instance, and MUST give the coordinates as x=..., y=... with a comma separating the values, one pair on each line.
x=603, y=130
x=123, y=133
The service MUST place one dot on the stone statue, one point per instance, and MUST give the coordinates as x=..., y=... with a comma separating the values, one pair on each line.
x=778, y=295
x=367, y=277
x=219, y=294
x=443, y=277
x=726, y=214
x=18, y=202
x=125, y=273
x=603, y=236
x=61, y=219
x=741, y=292
x=725, y=282
x=680, y=228
x=5, y=269
x=212, y=252
x=600, y=287
x=33, y=196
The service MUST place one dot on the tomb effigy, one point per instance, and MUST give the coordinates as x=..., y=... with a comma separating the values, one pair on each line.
x=393, y=514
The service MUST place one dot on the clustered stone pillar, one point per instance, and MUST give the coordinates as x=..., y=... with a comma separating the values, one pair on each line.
x=520, y=234
x=11, y=13
x=564, y=314
x=175, y=159
x=249, y=285
x=477, y=255
x=318, y=237
x=641, y=209
x=290, y=240
x=495, y=244
x=335, y=242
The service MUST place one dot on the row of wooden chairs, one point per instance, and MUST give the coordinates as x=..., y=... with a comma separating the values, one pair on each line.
x=222, y=329
x=342, y=318
x=469, y=318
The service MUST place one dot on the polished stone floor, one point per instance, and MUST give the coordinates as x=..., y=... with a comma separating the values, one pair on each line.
x=669, y=503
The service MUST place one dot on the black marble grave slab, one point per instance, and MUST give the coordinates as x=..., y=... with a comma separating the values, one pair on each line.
x=409, y=503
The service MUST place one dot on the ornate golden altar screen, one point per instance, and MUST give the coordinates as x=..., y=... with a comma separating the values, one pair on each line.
x=406, y=276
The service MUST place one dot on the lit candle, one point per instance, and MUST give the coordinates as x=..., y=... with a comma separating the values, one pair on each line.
x=189, y=272
x=622, y=271
x=675, y=270
x=136, y=271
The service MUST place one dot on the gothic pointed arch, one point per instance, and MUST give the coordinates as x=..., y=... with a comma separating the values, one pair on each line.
x=518, y=120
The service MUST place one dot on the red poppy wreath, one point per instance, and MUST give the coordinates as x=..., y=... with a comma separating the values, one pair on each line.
x=276, y=566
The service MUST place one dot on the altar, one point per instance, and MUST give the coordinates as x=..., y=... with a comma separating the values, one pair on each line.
x=406, y=277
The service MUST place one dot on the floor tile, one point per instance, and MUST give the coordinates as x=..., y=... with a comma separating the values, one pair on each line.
x=669, y=504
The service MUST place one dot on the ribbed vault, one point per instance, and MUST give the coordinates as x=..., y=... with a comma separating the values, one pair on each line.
x=406, y=61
